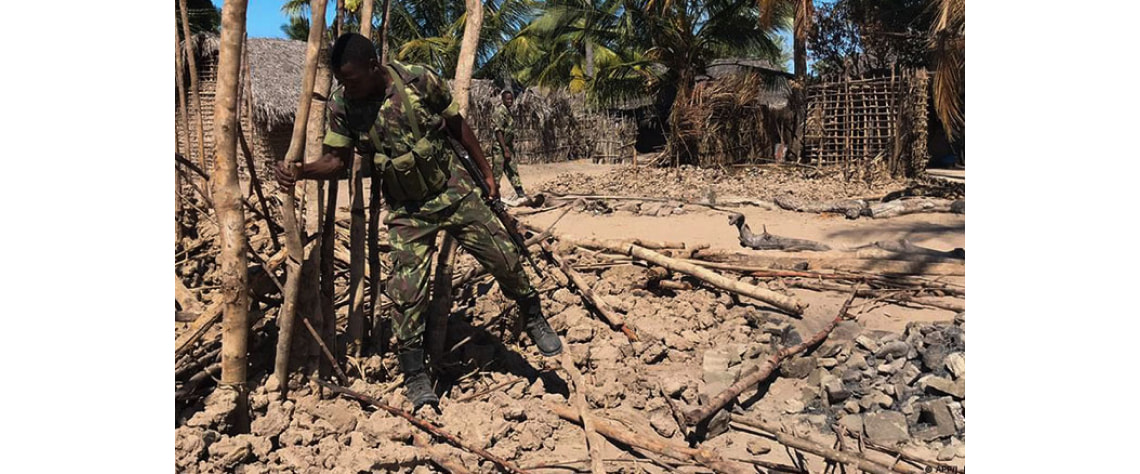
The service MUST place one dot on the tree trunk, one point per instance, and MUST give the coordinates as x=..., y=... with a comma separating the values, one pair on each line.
x=194, y=98
x=801, y=24
x=293, y=157
x=366, y=18
x=384, y=31
x=317, y=222
x=228, y=208
x=467, y=49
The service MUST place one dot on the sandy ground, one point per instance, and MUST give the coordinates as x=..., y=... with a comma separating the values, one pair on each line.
x=491, y=417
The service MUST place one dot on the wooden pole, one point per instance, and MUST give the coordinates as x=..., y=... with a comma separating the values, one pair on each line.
x=699, y=415
x=593, y=442
x=612, y=317
x=366, y=19
x=229, y=211
x=439, y=309
x=861, y=463
x=289, y=204
x=181, y=145
x=467, y=49
x=194, y=97
x=783, y=302
x=384, y=31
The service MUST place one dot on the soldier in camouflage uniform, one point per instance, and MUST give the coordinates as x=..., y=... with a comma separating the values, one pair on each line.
x=404, y=114
x=503, y=145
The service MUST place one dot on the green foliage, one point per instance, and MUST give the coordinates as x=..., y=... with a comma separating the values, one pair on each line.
x=204, y=16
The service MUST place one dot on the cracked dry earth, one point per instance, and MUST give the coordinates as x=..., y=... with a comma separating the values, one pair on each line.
x=892, y=376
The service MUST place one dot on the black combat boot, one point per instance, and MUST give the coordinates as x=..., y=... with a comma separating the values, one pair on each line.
x=417, y=382
x=540, y=332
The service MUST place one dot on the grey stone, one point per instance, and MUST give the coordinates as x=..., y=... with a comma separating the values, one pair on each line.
x=845, y=331
x=956, y=364
x=947, y=453
x=828, y=362
x=867, y=343
x=934, y=356
x=857, y=361
x=892, y=367
x=886, y=427
x=852, y=376
x=936, y=417
x=852, y=406
x=876, y=398
x=959, y=415
x=836, y=391
x=853, y=424
x=956, y=389
x=893, y=349
x=906, y=375
x=798, y=367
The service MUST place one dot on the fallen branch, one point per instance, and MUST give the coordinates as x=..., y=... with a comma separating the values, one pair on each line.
x=612, y=317
x=593, y=443
x=768, y=241
x=499, y=386
x=858, y=461
x=325, y=349
x=754, y=262
x=786, y=303
x=914, y=206
x=852, y=208
x=700, y=414
x=424, y=425
x=663, y=447
x=449, y=464
x=902, y=296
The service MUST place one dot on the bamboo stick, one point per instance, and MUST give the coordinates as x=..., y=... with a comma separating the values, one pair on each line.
x=194, y=91
x=289, y=206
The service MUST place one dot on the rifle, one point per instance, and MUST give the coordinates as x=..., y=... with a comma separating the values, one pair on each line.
x=496, y=206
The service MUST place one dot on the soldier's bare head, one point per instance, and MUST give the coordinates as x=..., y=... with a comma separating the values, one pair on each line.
x=508, y=98
x=354, y=63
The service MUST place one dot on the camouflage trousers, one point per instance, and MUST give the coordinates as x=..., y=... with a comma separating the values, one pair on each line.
x=499, y=164
x=413, y=237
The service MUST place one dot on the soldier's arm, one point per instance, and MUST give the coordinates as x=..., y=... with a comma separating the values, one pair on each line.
x=457, y=127
x=330, y=165
x=503, y=144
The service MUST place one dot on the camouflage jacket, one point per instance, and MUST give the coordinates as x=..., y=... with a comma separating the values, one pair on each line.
x=382, y=126
x=503, y=121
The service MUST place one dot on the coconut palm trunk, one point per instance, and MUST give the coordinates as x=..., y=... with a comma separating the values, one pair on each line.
x=801, y=25
x=194, y=97
x=229, y=211
x=288, y=312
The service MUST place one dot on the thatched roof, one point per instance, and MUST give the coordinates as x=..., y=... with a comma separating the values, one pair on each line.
x=275, y=67
x=773, y=95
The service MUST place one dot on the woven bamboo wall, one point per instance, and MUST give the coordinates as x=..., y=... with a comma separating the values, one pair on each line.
x=867, y=123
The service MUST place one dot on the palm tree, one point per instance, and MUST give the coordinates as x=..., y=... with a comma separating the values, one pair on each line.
x=948, y=42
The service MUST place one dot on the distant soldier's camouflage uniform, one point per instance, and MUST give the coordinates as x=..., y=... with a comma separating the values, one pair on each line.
x=504, y=122
x=420, y=209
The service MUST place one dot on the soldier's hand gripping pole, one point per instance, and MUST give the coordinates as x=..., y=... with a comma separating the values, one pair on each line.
x=496, y=206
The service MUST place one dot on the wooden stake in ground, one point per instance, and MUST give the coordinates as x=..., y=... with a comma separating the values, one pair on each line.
x=722, y=399
x=228, y=208
x=194, y=97
x=786, y=303
x=384, y=31
x=439, y=308
x=366, y=19
x=293, y=244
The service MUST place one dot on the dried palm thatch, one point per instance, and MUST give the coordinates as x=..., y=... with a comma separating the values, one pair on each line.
x=275, y=67
x=736, y=119
x=551, y=125
x=948, y=43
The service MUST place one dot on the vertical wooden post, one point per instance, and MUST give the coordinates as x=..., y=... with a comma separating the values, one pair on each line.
x=181, y=144
x=366, y=19
x=229, y=211
x=384, y=31
x=288, y=312
x=194, y=97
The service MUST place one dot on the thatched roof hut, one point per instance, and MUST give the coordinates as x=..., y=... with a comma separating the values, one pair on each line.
x=271, y=78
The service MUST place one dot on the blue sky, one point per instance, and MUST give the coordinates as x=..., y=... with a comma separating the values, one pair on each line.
x=264, y=20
